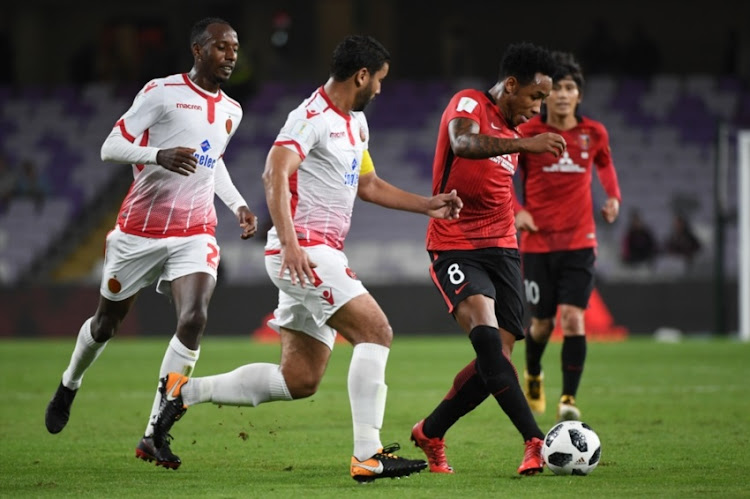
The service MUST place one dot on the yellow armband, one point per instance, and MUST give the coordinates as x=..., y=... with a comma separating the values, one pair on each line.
x=367, y=165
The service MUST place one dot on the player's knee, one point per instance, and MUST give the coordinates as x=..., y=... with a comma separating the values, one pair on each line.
x=103, y=328
x=382, y=334
x=302, y=386
x=571, y=321
x=541, y=329
x=192, y=322
x=379, y=333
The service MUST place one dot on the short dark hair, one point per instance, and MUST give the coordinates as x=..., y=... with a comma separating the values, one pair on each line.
x=524, y=60
x=567, y=66
x=356, y=52
x=198, y=32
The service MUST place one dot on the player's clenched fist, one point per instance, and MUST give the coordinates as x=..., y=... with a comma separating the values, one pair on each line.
x=545, y=142
x=446, y=205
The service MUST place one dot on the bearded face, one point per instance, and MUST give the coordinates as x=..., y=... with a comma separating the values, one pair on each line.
x=365, y=95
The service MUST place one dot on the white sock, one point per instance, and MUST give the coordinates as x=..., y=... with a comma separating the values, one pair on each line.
x=178, y=359
x=85, y=353
x=249, y=385
x=367, y=393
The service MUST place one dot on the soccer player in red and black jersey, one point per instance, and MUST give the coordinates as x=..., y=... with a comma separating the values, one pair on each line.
x=558, y=238
x=475, y=260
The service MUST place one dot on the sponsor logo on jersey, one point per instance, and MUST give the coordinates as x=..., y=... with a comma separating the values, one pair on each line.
x=150, y=86
x=205, y=159
x=311, y=113
x=338, y=135
x=328, y=296
x=352, y=179
x=506, y=161
x=564, y=165
x=194, y=107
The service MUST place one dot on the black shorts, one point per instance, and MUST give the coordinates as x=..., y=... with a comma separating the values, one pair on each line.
x=492, y=272
x=558, y=277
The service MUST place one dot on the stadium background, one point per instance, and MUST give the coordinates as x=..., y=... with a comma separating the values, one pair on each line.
x=663, y=77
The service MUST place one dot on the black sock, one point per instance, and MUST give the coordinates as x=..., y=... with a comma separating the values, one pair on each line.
x=573, y=357
x=501, y=379
x=467, y=392
x=534, y=352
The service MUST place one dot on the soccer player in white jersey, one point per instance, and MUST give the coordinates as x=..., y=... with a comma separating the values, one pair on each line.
x=316, y=167
x=174, y=135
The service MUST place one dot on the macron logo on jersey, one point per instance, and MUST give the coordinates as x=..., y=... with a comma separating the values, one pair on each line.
x=193, y=107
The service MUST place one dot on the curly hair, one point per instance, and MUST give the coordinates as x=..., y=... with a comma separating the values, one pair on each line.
x=524, y=60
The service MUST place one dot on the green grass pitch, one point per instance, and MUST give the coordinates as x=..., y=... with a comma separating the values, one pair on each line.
x=673, y=420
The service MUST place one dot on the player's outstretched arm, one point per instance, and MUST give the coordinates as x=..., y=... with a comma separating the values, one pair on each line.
x=467, y=142
x=373, y=189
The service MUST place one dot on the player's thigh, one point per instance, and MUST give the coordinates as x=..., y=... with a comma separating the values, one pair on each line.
x=361, y=320
x=576, y=277
x=130, y=264
x=506, y=278
x=291, y=313
x=540, y=285
x=189, y=255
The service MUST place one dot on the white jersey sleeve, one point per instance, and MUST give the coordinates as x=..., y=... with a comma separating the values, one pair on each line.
x=147, y=109
x=116, y=148
x=225, y=188
x=299, y=133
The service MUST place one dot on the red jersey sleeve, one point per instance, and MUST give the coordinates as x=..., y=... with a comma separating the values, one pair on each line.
x=605, y=167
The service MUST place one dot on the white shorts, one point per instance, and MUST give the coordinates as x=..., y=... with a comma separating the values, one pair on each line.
x=134, y=262
x=308, y=309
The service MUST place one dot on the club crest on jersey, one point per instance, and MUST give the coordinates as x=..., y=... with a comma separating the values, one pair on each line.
x=228, y=125
x=362, y=135
x=352, y=178
x=584, y=140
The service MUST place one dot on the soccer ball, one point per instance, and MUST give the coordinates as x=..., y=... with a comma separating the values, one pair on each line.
x=571, y=448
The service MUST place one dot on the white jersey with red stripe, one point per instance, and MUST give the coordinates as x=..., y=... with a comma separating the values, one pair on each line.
x=331, y=144
x=174, y=112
